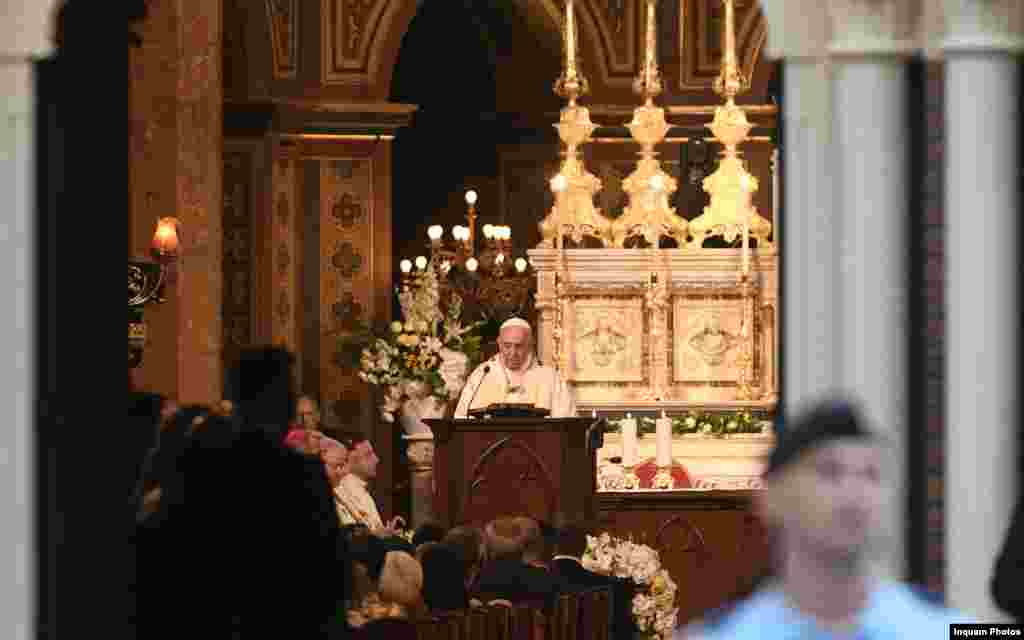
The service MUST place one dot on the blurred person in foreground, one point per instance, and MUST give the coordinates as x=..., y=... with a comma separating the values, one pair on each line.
x=1008, y=579
x=825, y=489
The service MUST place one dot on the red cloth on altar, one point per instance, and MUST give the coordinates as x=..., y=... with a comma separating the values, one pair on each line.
x=645, y=471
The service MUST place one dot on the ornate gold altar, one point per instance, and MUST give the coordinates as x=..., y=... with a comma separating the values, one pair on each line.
x=665, y=329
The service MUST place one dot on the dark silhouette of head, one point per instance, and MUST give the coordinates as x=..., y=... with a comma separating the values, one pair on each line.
x=572, y=540
x=262, y=386
x=428, y=532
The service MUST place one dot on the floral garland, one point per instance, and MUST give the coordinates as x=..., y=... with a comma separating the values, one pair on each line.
x=427, y=355
x=654, y=609
x=711, y=424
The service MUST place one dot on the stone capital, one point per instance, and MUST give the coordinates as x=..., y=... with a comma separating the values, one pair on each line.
x=796, y=28
x=983, y=25
x=868, y=28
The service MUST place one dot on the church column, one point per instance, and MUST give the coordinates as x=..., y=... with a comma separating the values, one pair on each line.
x=982, y=240
x=176, y=170
x=869, y=46
x=24, y=32
x=809, y=229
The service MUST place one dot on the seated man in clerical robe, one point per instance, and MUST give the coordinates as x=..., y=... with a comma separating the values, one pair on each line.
x=516, y=376
x=354, y=503
x=506, y=575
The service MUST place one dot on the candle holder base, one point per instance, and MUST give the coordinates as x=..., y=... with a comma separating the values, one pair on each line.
x=663, y=479
x=630, y=481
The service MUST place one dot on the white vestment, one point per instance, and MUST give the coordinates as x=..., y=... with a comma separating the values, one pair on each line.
x=540, y=385
x=355, y=504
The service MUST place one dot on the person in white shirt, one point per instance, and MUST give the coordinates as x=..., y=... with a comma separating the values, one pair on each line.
x=355, y=504
x=515, y=375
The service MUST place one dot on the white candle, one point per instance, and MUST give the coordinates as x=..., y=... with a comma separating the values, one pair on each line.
x=746, y=243
x=663, y=426
x=570, y=40
x=629, y=441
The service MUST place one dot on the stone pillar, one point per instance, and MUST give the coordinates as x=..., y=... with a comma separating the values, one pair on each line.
x=24, y=32
x=176, y=155
x=810, y=236
x=809, y=230
x=983, y=175
x=869, y=47
x=420, y=450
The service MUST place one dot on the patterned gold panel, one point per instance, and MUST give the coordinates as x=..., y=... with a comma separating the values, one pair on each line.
x=283, y=243
x=348, y=31
x=700, y=23
x=606, y=344
x=238, y=243
x=707, y=341
x=346, y=275
x=283, y=16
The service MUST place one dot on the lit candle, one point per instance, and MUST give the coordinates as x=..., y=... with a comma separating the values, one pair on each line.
x=570, y=41
x=629, y=441
x=651, y=42
x=663, y=433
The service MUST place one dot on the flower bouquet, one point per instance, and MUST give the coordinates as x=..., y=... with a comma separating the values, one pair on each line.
x=654, y=609
x=426, y=356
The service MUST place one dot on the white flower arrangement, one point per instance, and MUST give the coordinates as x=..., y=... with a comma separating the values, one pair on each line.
x=654, y=607
x=427, y=354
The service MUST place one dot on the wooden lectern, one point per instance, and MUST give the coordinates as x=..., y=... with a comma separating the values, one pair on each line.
x=540, y=467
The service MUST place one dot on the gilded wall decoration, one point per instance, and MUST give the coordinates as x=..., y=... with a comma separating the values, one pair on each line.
x=606, y=345
x=615, y=23
x=700, y=23
x=348, y=30
x=348, y=311
x=707, y=339
x=237, y=254
x=283, y=237
x=347, y=210
x=346, y=277
x=283, y=16
x=347, y=260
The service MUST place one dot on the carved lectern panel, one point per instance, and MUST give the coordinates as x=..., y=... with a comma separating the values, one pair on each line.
x=708, y=337
x=508, y=478
x=607, y=343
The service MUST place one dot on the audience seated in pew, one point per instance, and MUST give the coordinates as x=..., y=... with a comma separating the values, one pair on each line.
x=474, y=551
x=428, y=532
x=571, y=545
x=444, y=577
x=506, y=574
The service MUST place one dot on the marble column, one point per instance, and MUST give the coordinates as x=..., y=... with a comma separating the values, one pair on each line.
x=24, y=32
x=810, y=236
x=983, y=175
x=869, y=46
x=809, y=230
x=420, y=450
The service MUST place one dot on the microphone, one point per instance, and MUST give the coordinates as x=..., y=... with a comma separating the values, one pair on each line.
x=487, y=369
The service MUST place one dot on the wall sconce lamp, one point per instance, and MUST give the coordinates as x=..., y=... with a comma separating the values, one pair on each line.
x=146, y=283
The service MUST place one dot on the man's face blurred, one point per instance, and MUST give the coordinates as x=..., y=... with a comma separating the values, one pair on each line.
x=314, y=442
x=515, y=344
x=334, y=462
x=363, y=461
x=308, y=413
x=832, y=499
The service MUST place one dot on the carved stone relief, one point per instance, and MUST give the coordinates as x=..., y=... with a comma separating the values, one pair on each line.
x=607, y=346
x=707, y=338
x=284, y=35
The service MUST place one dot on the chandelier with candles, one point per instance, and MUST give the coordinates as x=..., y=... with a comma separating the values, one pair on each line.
x=493, y=284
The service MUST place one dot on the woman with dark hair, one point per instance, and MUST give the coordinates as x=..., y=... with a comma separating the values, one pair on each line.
x=470, y=541
x=444, y=578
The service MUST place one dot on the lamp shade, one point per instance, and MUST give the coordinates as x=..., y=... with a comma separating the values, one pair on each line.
x=472, y=264
x=421, y=262
x=471, y=197
x=405, y=266
x=165, y=239
x=435, y=232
